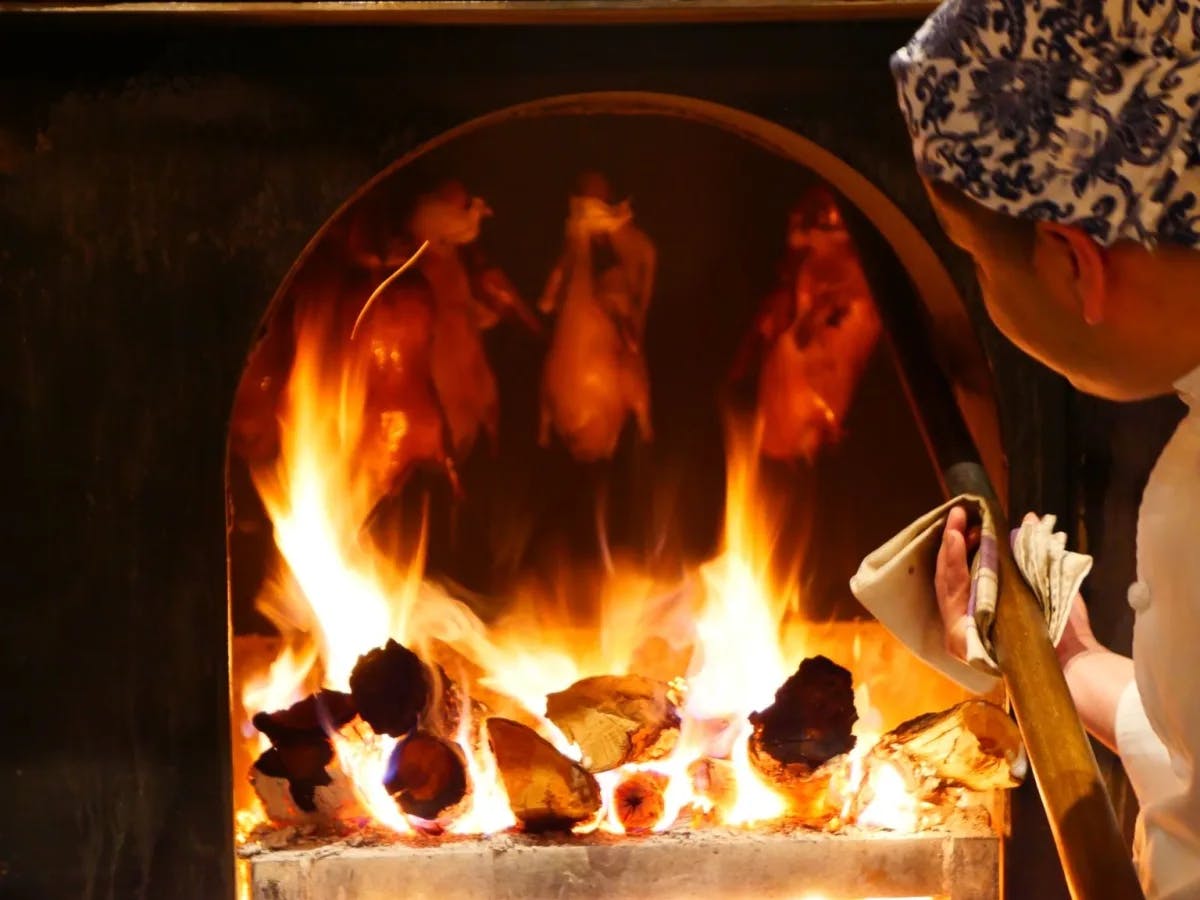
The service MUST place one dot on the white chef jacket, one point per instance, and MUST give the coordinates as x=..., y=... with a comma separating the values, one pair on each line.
x=1158, y=716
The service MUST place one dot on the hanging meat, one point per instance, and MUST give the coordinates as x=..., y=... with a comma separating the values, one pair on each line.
x=595, y=373
x=404, y=426
x=469, y=296
x=390, y=345
x=326, y=275
x=814, y=335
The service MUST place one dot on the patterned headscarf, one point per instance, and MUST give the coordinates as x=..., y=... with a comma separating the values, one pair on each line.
x=1082, y=112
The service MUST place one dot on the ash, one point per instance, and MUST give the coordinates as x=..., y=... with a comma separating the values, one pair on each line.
x=349, y=835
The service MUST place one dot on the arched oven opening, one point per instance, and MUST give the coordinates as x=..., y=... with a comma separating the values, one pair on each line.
x=547, y=473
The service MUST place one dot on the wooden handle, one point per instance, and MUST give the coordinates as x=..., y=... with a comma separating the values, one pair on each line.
x=1095, y=859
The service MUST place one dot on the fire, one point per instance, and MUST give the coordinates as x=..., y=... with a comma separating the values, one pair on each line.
x=342, y=594
x=891, y=805
x=281, y=686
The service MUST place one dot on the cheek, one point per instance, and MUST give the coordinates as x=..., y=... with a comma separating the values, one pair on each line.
x=992, y=297
x=1003, y=297
x=1023, y=316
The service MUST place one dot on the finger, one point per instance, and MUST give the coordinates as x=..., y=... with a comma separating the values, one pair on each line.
x=956, y=520
x=959, y=520
x=1030, y=519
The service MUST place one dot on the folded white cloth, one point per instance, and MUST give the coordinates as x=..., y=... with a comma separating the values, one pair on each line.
x=895, y=583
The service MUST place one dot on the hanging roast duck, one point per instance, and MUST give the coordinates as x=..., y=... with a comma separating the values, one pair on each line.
x=595, y=372
x=469, y=297
x=813, y=335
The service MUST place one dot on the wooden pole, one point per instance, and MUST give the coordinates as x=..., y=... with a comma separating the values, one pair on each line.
x=1095, y=859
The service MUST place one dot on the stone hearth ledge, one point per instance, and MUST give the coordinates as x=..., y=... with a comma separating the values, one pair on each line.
x=687, y=865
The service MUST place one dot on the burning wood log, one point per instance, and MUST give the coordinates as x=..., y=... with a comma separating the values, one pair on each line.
x=813, y=793
x=714, y=786
x=391, y=687
x=638, y=801
x=427, y=777
x=616, y=719
x=799, y=741
x=546, y=791
x=324, y=803
x=811, y=719
x=296, y=787
x=288, y=777
x=313, y=717
x=974, y=745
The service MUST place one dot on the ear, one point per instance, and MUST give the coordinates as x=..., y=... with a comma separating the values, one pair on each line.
x=1068, y=250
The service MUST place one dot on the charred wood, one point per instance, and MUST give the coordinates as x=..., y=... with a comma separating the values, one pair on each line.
x=391, y=687
x=295, y=766
x=799, y=742
x=308, y=720
x=811, y=719
x=814, y=794
x=301, y=785
x=427, y=777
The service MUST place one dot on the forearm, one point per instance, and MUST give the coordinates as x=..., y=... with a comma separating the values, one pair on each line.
x=1097, y=677
x=1105, y=693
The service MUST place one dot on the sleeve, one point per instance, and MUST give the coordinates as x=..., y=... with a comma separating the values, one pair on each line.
x=1144, y=756
x=1167, y=843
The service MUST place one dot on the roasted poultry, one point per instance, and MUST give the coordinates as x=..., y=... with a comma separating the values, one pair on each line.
x=469, y=296
x=814, y=334
x=595, y=372
x=404, y=426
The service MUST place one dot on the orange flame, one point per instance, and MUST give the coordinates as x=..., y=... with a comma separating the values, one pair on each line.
x=344, y=596
x=891, y=805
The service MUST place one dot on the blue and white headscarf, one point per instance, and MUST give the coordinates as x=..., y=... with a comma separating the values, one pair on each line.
x=1082, y=112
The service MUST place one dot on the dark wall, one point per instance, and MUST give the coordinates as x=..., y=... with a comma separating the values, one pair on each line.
x=156, y=187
